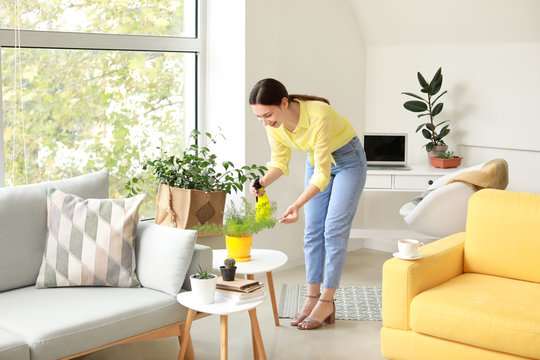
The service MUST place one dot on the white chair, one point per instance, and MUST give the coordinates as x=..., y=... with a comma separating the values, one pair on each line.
x=443, y=211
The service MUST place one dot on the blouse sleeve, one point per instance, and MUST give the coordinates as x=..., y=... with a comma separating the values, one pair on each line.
x=280, y=156
x=322, y=158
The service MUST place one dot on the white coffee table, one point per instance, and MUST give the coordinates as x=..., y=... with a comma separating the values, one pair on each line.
x=262, y=261
x=223, y=309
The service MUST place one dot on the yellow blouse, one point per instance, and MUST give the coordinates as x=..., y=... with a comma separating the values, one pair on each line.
x=320, y=131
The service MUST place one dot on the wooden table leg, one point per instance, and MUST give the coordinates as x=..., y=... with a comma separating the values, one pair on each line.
x=224, y=319
x=255, y=354
x=272, y=296
x=257, y=334
x=186, y=338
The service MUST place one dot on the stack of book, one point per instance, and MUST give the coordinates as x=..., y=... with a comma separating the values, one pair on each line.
x=239, y=291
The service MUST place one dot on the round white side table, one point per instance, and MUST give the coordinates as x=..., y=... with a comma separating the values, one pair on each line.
x=223, y=309
x=262, y=261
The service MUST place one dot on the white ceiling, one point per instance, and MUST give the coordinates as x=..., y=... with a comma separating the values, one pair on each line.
x=385, y=22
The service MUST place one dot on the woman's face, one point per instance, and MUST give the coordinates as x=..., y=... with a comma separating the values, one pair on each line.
x=270, y=115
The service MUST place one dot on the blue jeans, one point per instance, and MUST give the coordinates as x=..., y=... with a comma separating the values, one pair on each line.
x=330, y=213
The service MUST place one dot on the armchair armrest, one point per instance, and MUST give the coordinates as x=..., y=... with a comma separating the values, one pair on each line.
x=403, y=280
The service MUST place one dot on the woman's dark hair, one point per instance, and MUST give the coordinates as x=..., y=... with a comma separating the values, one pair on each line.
x=270, y=92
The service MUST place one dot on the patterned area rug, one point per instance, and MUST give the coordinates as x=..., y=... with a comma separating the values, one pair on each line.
x=352, y=302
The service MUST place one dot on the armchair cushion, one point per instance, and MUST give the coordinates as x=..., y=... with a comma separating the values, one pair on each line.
x=503, y=234
x=486, y=311
x=163, y=256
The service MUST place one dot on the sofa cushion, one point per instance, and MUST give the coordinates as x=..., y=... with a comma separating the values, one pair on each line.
x=12, y=347
x=163, y=256
x=482, y=310
x=503, y=234
x=57, y=322
x=23, y=221
x=90, y=241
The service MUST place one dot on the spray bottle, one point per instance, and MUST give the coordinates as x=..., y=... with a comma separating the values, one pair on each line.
x=262, y=206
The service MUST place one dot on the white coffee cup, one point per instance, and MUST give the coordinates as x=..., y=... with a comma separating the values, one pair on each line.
x=409, y=247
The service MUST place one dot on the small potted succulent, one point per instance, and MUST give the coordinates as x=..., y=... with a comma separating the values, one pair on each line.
x=203, y=286
x=228, y=270
x=446, y=160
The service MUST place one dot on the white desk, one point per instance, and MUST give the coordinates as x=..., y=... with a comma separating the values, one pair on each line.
x=262, y=261
x=418, y=178
x=222, y=308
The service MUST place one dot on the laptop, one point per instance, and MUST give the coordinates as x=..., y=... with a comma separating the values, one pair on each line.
x=386, y=151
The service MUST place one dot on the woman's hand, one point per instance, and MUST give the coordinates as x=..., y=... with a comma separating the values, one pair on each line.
x=254, y=191
x=291, y=215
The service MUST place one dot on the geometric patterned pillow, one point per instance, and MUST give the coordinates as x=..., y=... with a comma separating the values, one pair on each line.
x=89, y=242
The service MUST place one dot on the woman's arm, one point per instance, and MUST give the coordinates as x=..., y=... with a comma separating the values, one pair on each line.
x=271, y=175
x=291, y=215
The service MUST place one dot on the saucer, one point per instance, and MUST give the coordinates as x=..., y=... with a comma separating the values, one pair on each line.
x=415, y=257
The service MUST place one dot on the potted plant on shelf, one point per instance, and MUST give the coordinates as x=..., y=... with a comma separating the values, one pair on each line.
x=192, y=187
x=241, y=223
x=430, y=107
x=203, y=286
x=446, y=160
x=228, y=270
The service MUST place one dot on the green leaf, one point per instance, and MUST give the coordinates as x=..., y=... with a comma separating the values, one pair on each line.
x=442, y=122
x=426, y=133
x=414, y=95
x=415, y=106
x=436, y=77
x=436, y=85
x=426, y=114
x=421, y=80
x=421, y=126
x=437, y=98
x=437, y=109
x=429, y=146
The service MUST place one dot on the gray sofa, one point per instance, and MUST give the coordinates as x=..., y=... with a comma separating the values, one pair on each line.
x=55, y=323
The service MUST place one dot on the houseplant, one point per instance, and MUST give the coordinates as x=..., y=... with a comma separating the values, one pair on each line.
x=228, y=270
x=446, y=160
x=192, y=186
x=241, y=223
x=429, y=107
x=203, y=286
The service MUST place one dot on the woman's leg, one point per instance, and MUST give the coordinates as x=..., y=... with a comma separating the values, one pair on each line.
x=314, y=250
x=349, y=178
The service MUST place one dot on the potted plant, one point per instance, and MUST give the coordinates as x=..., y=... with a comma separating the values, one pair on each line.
x=192, y=187
x=446, y=160
x=203, y=286
x=430, y=107
x=241, y=223
x=228, y=270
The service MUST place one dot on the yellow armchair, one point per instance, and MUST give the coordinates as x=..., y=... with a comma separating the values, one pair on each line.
x=462, y=300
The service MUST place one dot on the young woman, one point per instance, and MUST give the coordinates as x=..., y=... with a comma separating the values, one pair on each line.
x=334, y=180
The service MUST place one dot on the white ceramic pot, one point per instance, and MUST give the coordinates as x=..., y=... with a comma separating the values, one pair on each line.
x=203, y=289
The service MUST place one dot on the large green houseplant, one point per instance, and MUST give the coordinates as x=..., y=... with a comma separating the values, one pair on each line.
x=241, y=223
x=430, y=107
x=193, y=186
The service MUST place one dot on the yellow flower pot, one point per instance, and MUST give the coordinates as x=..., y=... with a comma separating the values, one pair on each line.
x=239, y=248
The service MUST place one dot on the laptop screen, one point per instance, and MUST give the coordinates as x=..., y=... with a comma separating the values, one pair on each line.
x=386, y=149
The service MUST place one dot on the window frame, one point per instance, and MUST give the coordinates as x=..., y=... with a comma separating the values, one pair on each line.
x=35, y=39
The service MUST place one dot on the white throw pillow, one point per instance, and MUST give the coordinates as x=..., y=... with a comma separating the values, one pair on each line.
x=163, y=256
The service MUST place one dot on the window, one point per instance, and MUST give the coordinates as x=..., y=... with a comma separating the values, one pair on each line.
x=89, y=84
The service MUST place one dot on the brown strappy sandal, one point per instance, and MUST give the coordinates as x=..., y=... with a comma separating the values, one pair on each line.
x=310, y=324
x=298, y=318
